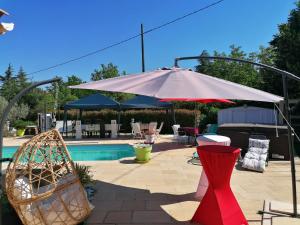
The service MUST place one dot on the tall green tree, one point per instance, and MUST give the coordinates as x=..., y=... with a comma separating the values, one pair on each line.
x=105, y=72
x=286, y=44
x=59, y=93
x=9, y=84
x=22, y=79
x=271, y=81
x=241, y=73
x=75, y=80
x=109, y=71
x=8, y=74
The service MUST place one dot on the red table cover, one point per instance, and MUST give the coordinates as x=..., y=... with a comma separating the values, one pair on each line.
x=219, y=206
x=190, y=131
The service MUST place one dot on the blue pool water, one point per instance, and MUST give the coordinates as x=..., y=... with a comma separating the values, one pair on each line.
x=88, y=152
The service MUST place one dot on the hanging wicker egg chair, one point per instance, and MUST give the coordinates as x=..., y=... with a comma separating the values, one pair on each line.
x=42, y=184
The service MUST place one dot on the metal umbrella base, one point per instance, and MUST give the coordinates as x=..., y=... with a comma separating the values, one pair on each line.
x=273, y=211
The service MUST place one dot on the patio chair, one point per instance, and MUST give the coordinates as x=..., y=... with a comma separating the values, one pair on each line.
x=59, y=125
x=42, y=184
x=179, y=136
x=107, y=128
x=136, y=131
x=256, y=157
x=88, y=130
x=152, y=127
x=159, y=129
x=211, y=129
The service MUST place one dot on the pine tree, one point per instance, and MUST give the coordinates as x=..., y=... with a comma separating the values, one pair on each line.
x=9, y=85
x=8, y=75
x=22, y=78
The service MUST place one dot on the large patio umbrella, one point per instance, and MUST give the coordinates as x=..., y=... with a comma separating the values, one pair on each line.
x=4, y=27
x=179, y=83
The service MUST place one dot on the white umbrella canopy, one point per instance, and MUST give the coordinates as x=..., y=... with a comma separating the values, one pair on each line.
x=179, y=83
x=5, y=27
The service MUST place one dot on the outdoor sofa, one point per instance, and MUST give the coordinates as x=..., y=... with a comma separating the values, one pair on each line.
x=239, y=134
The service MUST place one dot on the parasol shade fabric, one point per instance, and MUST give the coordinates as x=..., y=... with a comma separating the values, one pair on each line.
x=5, y=27
x=200, y=100
x=179, y=83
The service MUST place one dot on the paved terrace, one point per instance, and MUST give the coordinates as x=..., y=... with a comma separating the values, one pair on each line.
x=162, y=191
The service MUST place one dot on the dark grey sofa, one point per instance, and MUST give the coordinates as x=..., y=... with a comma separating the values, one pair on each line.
x=239, y=134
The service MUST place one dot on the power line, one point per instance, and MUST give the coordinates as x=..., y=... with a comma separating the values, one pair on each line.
x=128, y=39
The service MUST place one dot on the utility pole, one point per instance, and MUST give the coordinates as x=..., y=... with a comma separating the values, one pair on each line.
x=142, y=45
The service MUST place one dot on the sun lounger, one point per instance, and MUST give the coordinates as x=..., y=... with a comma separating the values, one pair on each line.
x=159, y=129
x=152, y=127
x=136, y=130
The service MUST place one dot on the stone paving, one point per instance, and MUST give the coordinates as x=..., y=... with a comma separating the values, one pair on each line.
x=162, y=191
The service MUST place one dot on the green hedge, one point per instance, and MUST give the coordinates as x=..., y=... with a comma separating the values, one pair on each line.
x=184, y=117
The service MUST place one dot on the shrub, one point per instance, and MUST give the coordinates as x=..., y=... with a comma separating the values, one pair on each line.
x=184, y=117
x=210, y=117
x=84, y=174
x=17, y=111
x=22, y=124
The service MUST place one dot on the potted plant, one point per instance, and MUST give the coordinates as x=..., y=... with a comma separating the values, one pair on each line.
x=142, y=152
x=20, y=125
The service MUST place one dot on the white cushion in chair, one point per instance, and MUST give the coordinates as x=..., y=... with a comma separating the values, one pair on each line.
x=256, y=157
x=72, y=198
x=22, y=188
x=22, y=191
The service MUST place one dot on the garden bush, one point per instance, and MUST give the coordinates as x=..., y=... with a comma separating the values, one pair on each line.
x=22, y=124
x=184, y=117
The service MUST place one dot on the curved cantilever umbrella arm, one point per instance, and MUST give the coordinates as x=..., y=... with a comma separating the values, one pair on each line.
x=271, y=68
x=284, y=75
x=3, y=120
x=11, y=104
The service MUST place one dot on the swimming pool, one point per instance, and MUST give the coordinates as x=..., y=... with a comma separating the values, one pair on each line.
x=88, y=152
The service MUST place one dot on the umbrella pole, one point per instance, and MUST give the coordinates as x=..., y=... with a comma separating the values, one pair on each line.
x=285, y=75
x=291, y=143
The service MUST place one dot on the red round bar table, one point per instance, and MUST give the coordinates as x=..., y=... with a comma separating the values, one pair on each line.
x=218, y=206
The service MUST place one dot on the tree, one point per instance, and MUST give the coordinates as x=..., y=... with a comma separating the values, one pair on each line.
x=8, y=74
x=22, y=79
x=110, y=71
x=105, y=72
x=241, y=73
x=59, y=93
x=79, y=93
x=9, y=85
x=287, y=48
x=271, y=81
x=17, y=112
x=20, y=111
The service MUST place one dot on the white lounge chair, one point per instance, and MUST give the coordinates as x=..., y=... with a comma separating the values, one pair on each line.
x=152, y=127
x=177, y=137
x=136, y=130
x=159, y=129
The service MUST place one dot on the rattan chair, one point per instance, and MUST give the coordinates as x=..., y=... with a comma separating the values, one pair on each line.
x=42, y=184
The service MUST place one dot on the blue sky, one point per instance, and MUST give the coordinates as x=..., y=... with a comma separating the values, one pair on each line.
x=52, y=31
